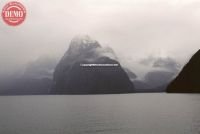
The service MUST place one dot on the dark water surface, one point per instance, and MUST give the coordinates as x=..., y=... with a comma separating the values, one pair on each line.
x=157, y=113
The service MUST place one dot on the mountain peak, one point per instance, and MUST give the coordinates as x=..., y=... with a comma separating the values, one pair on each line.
x=82, y=42
x=83, y=39
x=72, y=78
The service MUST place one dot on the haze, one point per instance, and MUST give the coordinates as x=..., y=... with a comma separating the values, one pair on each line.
x=135, y=29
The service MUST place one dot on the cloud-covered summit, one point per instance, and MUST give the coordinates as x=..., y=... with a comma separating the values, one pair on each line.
x=71, y=77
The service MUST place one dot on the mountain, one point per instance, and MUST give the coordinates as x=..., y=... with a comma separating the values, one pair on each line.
x=43, y=67
x=154, y=81
x=188, y=81
x=35, y=79
x=132, y=76
x=88, y=68
x=25, y=86
x=157, y=78
x=159, y=72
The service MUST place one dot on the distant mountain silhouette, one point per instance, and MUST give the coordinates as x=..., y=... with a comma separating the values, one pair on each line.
x=160, y=72
x=25, y=86
x=35, y=79
x=188, y=81
x=157, y=79
x=72, y=77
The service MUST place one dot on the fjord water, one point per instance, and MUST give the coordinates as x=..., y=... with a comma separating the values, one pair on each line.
x=158, y=113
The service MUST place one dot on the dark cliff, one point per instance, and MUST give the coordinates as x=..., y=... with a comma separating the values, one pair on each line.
x=188, y=81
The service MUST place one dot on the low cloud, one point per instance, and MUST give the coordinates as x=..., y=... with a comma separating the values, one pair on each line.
x=134, y=29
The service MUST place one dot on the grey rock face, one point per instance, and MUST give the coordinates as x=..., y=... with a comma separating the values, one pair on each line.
x=71, y=77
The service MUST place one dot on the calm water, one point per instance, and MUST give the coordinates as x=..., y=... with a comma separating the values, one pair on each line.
x=101, y=114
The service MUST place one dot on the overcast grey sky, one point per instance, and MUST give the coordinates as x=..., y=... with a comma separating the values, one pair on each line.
x=133, y=28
